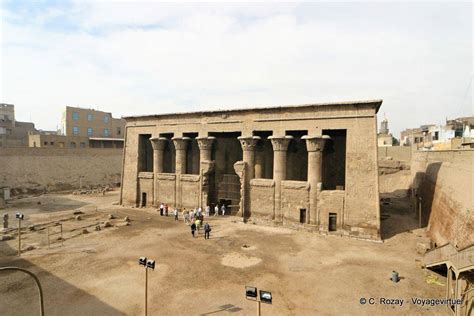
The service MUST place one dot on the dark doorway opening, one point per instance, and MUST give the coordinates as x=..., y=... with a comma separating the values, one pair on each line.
x=332, y=222
x=143, y=199
x=192, y=154
x=302, y=215
x=145, y=153
x=224, y=184
x=334, y=160
x=168, y=154
x=264, y=155
x=297, y=157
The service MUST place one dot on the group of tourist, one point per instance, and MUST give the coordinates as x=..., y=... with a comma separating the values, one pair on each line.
x=194, y=218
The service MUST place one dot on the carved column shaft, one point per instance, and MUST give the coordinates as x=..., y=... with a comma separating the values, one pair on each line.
x=280, y=146
x=315, y=147
x=180, y=145
x=158, y=144
x=248, y=156
x=205, y=167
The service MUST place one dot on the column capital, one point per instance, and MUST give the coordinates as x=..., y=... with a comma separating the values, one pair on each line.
x=280, y=143
x=205, y=143
x=180, y=143
x=248, y=143
x=158, y=143
x=315, y=143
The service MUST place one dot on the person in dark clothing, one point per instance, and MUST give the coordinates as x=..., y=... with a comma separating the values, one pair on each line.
x=193, y=228
x=207, y=231
x=161, y=209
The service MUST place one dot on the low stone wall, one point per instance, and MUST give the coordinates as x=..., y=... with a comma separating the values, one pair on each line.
x=400, y=153
x=445, y=182
x=35, y=170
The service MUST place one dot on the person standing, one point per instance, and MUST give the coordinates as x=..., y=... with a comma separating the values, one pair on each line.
x=166, y=209
x=223, y=209
x=175, y=214
x=207, y=231
x=208, y=210
x=161, y=209
x=193, y=228
x=216, y=210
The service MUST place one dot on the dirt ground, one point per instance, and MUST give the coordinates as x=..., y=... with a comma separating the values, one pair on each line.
x=97, y=273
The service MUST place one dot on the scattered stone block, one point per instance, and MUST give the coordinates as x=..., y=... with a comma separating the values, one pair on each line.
x=31, y=228
x=29, y=248
x=85, y=231
x=77, y=213
x=111, y=216
x=126, y=219
x=107, y=224
x=6, y=237
x=422, y=247
x=78, y=218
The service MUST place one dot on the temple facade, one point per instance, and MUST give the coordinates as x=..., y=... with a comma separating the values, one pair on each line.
x=313, y=164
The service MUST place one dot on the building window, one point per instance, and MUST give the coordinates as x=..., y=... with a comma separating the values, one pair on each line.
x=436, y=136
x=89, y=131
x=75, y=130
x=106, y=118
x=119, y=131
x=90, y=117
x=51, y=143
x=73, y=145
x=83, y=145
x=106, y=132
x=45, y=143
x=75, y=116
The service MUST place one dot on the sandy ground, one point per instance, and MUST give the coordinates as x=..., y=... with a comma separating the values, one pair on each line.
x=98, y=273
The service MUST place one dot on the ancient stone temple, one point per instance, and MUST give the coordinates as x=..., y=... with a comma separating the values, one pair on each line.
x=314, y=164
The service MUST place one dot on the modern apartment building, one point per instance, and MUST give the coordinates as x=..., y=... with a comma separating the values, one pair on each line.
x=99, y=127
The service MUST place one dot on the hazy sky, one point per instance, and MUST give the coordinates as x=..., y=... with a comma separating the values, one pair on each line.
x=149, y=57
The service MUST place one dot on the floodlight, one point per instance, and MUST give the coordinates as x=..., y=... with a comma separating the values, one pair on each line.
x=150, y=264
x=251, y=292
x=20, y=216
x=142, y=261
x=266, y=297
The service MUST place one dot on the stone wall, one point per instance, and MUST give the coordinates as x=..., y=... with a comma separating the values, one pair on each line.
x=331, y=202
x=30, y=170
x=445, y=182
x=262, y=194
x=400, y=153
x=294, y=196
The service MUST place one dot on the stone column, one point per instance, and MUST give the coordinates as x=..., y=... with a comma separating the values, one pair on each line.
x=205, y=147
x=180, y=145
x=315, y=147
x=280, y=146
x=158, y=144
x=206, y=167
x=248, y=150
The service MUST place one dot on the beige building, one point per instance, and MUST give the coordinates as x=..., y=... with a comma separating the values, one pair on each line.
x=57, y=141
x=311, y=164
x=12, y=132
x=99, y=127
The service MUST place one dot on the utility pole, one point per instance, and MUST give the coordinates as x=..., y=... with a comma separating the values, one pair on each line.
x=20, y=217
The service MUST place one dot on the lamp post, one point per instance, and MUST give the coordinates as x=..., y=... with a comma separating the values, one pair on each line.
x=263, y=296
x=148, y=264
x=38, y=284
x=20, y=217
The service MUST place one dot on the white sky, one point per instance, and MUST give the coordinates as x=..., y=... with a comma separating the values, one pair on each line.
x=148, y=57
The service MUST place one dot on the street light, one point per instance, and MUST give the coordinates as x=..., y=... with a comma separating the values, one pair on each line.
x=148, y=264
x=20, y=217
x=251, y=294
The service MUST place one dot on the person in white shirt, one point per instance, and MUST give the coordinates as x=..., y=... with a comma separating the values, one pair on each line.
x=223, y=209
x=216, y=210
x=208, y=210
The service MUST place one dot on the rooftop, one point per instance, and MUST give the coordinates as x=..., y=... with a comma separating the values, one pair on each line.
x=375, y=103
